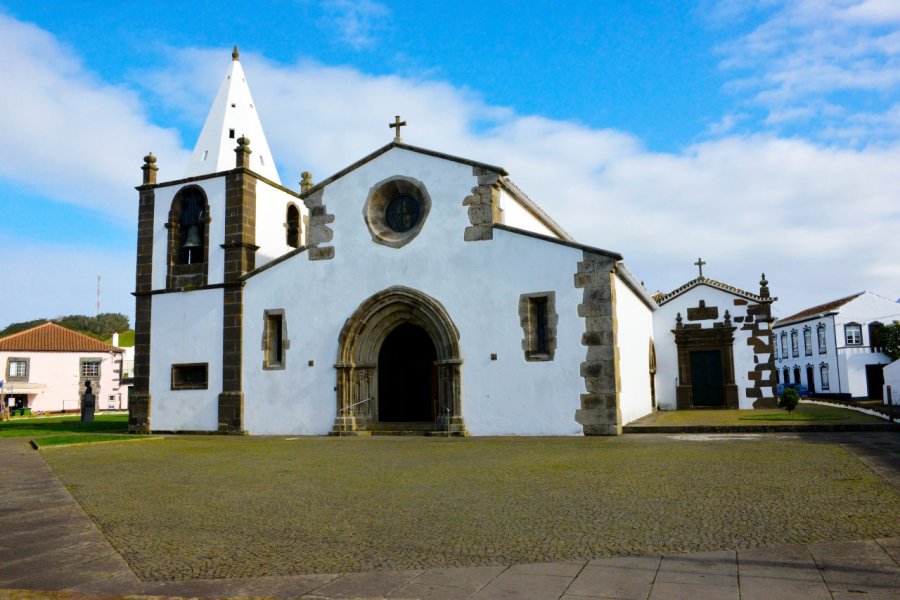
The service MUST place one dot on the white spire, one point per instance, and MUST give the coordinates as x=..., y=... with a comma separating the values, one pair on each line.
x=233, y=114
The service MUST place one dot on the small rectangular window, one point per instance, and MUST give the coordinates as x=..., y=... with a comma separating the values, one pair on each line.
x=17, y=369
x=538, y=318
x=90, y=368
x=190, y=377
x=853, y=332
x=274, y=348
x=274, y=342
x=231, y=134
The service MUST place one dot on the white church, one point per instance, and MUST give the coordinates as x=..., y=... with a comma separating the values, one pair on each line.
x=412, y=291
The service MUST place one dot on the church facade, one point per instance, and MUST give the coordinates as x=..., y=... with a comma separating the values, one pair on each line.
x=411, y=291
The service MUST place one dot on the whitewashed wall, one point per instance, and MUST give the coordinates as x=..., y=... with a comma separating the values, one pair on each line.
x=479, y=284
x=186, y=327
x=215, y=195
x=635, y=329
x=516, y=215
x=667, y=350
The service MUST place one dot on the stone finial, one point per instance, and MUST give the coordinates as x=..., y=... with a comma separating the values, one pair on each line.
x=306, y=181
x=149, y=168
x=243, y=152
x=235, y=55
x=763, y=287
x=678, y=321
x=727, y=318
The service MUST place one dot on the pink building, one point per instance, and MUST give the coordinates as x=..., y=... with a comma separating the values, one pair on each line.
x=45, y=368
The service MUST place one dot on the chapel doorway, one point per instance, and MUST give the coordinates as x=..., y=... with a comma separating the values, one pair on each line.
x=706, y=379
x=407, y=376
x=810, y=379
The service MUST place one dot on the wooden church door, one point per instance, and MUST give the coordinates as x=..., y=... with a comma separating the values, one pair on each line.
x=706, y=378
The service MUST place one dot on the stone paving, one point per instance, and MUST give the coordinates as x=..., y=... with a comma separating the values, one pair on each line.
x=48, y=543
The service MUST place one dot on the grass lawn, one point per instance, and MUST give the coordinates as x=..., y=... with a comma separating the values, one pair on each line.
x=207, y=506
x=35, y=427
x=813, y=413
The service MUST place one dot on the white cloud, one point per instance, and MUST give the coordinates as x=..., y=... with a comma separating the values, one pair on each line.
x=807, y=55
x=356, y=21
x=67, y=134
x=820, y=221
x=817, y=219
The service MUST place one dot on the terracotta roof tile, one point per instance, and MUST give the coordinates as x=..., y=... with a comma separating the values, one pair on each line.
x=51, y=337
x=820, y=309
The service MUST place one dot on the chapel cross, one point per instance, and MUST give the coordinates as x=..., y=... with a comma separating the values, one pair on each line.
x=700, y=262
x=398, y=124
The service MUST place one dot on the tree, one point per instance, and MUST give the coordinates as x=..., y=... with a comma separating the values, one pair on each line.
x=789, y=399
x=889, y=338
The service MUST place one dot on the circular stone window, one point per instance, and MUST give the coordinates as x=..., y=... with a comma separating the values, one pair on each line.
x=395, y=210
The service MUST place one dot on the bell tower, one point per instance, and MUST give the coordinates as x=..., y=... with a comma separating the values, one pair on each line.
x=197, y=238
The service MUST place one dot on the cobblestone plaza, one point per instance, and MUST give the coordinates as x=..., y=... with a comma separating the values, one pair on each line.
x=211, y=507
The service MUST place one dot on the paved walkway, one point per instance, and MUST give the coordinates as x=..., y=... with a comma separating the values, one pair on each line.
x=48, y=543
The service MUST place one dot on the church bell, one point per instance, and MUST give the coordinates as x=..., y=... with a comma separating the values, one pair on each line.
x=193, y=238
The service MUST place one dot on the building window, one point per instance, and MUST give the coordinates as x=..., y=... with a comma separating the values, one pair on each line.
x=795, y=345
x=190, y=377
x=787, y=376
x=820, y=331
x=783, y=345
x=292, y=225
x=853, y=334
x=823, y=375
x=90, y=369
x=807, y=341
x=274, y=342
x=538, y=318
x=17, y=369
x=797, y=375
x=875, y=334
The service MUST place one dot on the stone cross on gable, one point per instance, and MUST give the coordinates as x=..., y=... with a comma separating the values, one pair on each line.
x=700, y=262
x=397, y=124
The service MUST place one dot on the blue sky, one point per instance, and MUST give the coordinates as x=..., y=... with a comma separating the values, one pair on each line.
x=762, y=135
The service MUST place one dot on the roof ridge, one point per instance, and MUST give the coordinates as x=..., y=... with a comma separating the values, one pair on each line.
x=822, y=307
x=11, y=335
x=663, y=298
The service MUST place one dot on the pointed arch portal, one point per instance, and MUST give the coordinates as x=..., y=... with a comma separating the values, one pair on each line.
x=398, y=366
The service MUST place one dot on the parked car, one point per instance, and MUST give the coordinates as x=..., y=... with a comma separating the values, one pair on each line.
x=802, y=390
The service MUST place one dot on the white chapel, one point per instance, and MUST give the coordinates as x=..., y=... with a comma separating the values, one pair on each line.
x=412, y=291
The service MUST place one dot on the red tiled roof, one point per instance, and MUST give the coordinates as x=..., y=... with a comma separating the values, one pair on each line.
x=820, y=309
x=51, y=337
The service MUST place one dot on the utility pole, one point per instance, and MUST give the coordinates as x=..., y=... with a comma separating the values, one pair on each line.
x=98, y=295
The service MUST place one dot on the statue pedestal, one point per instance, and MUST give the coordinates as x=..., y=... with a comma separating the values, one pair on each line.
x=88, y=404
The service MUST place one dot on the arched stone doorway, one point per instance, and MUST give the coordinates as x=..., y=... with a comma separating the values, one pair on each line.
x=377, y=331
